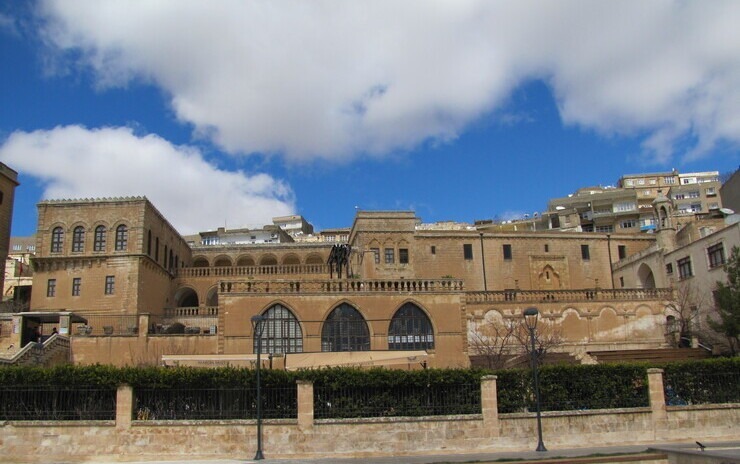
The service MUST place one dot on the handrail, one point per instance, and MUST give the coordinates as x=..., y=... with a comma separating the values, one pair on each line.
x=30, y=350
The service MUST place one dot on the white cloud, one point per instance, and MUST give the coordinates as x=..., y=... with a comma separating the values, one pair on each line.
x=336, y=78
x=76, y=162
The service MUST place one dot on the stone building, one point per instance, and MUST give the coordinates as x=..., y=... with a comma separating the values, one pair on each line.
x=8, y=183
x=118, y=279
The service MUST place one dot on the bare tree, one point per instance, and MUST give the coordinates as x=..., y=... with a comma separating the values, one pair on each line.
x=547, y=336
x=683, y=314
x=493, y=342
x=500, y=341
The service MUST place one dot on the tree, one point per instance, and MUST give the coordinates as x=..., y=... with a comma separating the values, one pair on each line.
x=492, y=342
x=727, y=298
x=684, y=311
x=499, y=341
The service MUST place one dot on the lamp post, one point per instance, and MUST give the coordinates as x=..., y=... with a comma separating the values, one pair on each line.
x=530, y=319
x=258, y=327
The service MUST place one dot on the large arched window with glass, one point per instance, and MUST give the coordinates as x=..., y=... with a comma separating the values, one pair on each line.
x=282, y=333
x=121, y=238
x=410, y=329
x=99, y=239
x=78, y=239
x=57, y=240
x=345, y=330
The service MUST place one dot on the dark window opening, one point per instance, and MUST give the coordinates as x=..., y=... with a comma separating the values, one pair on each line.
x=99, y=239
x=78, y=239
x=390, y=256
x=403, y=255
x=76, y=284
x=410, y=329
x=468, y=251
x=110, y=285
x=51, y=288
x=585, y=252
x=121, y=238
x=622, y=250
x=345, y=330
x=507, y=252
x=57, y=240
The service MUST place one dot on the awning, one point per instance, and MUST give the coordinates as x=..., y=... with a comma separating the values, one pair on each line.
x=294, y=361
x=52, y=317
x=211, y=360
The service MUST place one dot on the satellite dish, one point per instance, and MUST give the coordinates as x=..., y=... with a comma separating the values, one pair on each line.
x=726, y=211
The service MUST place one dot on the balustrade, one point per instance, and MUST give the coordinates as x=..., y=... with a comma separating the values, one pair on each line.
x=547, y=296
x=343, y=286
x=238, y=271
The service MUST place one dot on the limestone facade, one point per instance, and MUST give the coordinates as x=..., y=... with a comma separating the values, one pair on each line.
x=8, y=183
x=403, y=287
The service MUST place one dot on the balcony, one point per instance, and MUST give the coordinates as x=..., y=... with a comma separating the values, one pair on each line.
x=239, y=271
x=555, y=296
x=344, y=286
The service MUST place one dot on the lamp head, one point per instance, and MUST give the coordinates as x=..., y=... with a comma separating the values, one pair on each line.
x=530, y=317
x=257, y=321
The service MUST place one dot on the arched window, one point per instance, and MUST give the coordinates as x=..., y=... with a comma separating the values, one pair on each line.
x=78, y=239
x=57, y=240
x=99, y=239
x=282, y=333
x=121, y=238
x=410, y=329
x=345, y=330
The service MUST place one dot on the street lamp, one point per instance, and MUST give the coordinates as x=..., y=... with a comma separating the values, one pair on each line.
x=259, y=327
x=530, y=319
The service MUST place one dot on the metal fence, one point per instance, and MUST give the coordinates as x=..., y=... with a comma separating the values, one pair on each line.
x=434, y=400
x=214, y=403
x=183, y=324
x=683, y=388
x=57, y=403
x=104, y=325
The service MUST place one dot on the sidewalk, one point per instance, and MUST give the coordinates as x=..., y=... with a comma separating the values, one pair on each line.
x=729, y=452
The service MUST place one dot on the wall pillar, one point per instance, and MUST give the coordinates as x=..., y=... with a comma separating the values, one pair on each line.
x=17, y=331
x=124, y=406
x=489, y=404
x=305, y=404
x=657, y=398
x=143, y=325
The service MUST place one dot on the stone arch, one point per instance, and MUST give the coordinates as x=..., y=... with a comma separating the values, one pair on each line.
x=645, y=276
x=212, y=297
x=186, y=297
x=314, y=258
x=345, y=329
x=410, y=329
x=548, y=279
x=608, y=325
x=200, y=261
x=291, y=259
x=222, y=261
x=574, y=326
x=268, y=260
x=282, y=332
x=245, y=260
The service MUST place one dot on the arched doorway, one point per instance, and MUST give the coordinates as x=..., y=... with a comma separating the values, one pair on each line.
x=186, y=297
x=645, y=277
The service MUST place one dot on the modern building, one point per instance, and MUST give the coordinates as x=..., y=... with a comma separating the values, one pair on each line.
x=18, y=273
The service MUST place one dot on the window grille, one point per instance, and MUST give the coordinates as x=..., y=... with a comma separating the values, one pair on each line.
x=410, y=329
x=282, y=332
x=345, y=330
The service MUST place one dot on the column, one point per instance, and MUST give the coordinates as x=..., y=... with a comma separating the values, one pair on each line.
x=305, y=404
x=489, y=404
x=657, y=398
x=124, y=406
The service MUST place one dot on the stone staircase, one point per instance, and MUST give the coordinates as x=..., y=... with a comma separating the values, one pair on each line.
x=55, y=350
x=658, y=355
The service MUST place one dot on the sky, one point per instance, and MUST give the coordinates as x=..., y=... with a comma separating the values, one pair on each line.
x=230, y=113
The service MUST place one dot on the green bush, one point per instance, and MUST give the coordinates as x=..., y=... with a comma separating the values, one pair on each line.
x=702, y=382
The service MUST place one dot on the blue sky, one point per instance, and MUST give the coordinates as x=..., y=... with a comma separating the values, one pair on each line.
x=234, y=112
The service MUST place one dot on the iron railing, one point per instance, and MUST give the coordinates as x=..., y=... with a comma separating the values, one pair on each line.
x=707, y=388
x=236, y=271
x=57, y=403
x=433, y=400
x=103, y=325
x=214, y=403
x=187, y=325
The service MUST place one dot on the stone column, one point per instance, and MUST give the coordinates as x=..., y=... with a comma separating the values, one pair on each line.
x=143, y=325
x=15, y=337
x=489, y=404
x=657, y=399
x=124, y=406
x=305, y=404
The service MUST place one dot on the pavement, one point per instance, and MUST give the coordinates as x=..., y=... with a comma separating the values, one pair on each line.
x=728, y=452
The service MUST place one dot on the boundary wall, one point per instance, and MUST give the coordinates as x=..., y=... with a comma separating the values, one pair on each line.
x=307, y=437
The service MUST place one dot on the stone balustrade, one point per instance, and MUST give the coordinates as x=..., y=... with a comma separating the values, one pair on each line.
x=578, y=295
x=344, y=286
x=254, y=271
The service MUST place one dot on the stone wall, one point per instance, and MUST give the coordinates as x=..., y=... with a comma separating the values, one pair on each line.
x=306, y=437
